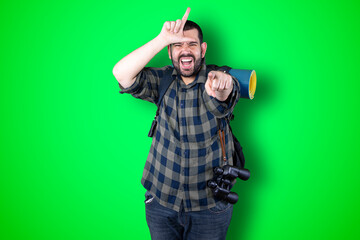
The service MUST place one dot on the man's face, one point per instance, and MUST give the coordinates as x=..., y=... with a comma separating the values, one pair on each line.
x=186, y=56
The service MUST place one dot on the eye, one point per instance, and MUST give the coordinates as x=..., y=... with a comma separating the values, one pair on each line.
x=177, y=45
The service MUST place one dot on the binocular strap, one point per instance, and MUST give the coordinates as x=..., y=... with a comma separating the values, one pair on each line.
x=222, y=142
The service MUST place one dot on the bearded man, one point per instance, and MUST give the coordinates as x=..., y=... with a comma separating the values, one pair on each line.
x=185, y=146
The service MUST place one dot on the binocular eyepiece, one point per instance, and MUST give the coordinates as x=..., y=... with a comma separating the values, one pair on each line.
x=231, y=172
x=222, y=184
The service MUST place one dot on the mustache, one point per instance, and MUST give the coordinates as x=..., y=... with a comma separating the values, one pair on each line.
x=187, y=55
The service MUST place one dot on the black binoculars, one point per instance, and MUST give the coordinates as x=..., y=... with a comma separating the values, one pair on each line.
x=222, y=184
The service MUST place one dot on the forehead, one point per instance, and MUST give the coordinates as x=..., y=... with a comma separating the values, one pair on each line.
x=192, y=33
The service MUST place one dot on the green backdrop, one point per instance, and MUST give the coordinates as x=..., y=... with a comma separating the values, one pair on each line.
x=73, y=148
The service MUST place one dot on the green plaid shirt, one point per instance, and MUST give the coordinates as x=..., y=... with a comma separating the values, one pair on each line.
x=186, y=146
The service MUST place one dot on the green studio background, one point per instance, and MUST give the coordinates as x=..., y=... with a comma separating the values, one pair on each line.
x=73, y=149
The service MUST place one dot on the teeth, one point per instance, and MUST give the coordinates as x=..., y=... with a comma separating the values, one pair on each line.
x=186, y=60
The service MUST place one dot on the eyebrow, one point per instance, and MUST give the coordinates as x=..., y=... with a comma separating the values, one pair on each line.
x=185, y=42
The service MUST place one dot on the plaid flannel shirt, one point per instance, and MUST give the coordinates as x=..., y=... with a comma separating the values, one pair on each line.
x=186, y=145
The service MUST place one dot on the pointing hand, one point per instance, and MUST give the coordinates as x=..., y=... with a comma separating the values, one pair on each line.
x=219, y=85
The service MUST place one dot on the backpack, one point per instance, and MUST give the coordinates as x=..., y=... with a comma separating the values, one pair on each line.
x=238, y=156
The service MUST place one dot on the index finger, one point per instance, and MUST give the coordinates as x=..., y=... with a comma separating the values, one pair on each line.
x=213, y=74
x=184, y=18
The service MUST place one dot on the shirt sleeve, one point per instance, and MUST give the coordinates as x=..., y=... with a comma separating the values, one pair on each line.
x=146, y=84
x=221, y=109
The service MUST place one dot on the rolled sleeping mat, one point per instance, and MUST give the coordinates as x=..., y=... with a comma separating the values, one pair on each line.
x=247, y=80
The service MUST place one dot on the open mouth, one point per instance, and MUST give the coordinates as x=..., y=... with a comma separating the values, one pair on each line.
x=186, y=63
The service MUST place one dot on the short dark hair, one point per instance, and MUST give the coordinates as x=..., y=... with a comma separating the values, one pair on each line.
x=191, y=25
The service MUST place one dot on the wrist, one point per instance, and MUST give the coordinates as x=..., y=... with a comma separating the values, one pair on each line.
x=162, y=40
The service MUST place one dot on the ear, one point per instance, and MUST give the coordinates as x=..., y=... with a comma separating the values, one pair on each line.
x=169, y=51
x=203, y=49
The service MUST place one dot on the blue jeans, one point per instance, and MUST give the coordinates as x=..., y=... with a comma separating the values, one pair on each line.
x=167, y=224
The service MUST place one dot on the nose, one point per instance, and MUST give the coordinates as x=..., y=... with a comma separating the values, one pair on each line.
x=185, y=48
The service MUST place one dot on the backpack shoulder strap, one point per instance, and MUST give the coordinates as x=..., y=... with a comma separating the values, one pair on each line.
x=213, y=67
x=163, y=86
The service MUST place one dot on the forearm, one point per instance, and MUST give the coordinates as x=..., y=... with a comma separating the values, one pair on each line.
x=126, y=69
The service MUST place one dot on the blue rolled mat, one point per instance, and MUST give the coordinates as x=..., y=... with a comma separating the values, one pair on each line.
x=247, y=80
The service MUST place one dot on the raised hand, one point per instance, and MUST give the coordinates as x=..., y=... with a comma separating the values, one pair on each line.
x=219, y=85
x=172, y=31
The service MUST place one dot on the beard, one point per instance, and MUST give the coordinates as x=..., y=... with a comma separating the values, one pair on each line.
x=188, y=72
